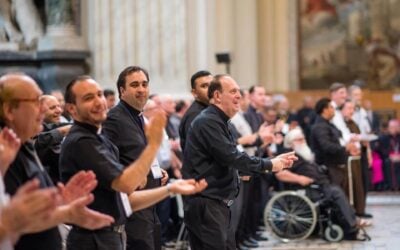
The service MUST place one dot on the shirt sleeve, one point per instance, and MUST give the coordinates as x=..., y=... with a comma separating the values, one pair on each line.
x=95, y=156
x=217, y=141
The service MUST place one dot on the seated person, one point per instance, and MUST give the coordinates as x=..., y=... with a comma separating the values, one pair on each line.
x=305, y=172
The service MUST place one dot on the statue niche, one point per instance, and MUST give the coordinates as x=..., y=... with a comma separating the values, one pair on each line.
x=20, y=24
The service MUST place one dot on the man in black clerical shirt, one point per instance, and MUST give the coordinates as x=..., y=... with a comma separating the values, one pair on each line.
x=211, y=153
x=21, y=110
x=85, y=148
x=199, y=83
x=125, y=128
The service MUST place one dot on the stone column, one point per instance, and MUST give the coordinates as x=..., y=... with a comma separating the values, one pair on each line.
x=276, y=37
x=152, y=34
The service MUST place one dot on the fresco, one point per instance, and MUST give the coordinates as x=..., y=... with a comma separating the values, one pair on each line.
x=348, y=40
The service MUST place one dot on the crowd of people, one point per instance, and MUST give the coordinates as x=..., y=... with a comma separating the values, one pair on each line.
x=80, y=169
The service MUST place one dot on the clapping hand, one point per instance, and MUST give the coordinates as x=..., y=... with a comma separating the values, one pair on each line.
x=79, y=214
x=81, y=184
x=9, y=146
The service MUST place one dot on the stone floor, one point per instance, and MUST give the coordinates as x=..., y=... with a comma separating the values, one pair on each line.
x=385, y=231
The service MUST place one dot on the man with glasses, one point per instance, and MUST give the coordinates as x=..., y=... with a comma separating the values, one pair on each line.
x=21, y=111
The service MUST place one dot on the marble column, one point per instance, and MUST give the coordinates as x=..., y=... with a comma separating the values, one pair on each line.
x=278, y=59
x=151, y=34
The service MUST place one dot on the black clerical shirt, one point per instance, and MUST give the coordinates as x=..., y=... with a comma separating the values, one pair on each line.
x=211, y=153
x=85, y=149
x=193, y=111
x=25, y=167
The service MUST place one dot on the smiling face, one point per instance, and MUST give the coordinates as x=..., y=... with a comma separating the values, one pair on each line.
x=52, y=109
x=229, y=99
x=90, y=104
x=136, y=90
x=23, y=111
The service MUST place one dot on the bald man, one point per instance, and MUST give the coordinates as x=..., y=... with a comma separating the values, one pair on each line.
x=20, y=110
x=48, y=142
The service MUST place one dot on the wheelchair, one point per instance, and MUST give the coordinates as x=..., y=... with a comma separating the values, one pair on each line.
x=295, y=215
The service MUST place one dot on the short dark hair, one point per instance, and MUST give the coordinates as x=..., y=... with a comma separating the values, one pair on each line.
x=346, y=101
x=127, y=71
x=196, y=75
x=70, y=96
x=336, y=86
x=108, y=92
x=322, y=104
x=180, y=105
x=215, y=85
x=253, y=88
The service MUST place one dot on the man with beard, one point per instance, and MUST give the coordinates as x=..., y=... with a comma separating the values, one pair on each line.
x=305, y=172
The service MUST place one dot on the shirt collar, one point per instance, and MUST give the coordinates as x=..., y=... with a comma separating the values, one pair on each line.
x=134, y=112
x=220, y=113
x=91, y=128
x=201, y=103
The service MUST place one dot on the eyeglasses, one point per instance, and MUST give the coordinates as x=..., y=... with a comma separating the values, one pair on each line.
x=299, y=139
x=35, y=100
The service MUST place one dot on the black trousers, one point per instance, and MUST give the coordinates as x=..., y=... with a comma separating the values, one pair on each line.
x=208, y=223
x=143, y=230
x=347, y=217
x=94, y=240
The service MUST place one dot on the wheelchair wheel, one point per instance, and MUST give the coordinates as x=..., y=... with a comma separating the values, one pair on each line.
x=333, y=233
x=290, y=215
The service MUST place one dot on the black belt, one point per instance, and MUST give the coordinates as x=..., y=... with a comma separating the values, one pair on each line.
x=227, y=202
x=118, y=229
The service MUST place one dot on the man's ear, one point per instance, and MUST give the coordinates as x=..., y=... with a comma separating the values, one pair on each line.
x=217, y=96
x=8, y=111
x=71, y=108
x=194, y=94
x=121, y=90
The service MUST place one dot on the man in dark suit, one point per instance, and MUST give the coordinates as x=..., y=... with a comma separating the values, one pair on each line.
x=326, y=145
x=125, y=128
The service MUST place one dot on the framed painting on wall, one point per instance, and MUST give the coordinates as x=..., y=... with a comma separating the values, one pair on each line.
x=348, y=40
